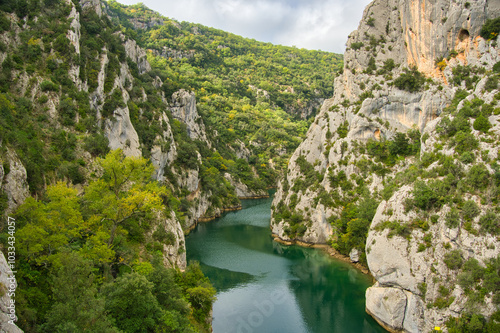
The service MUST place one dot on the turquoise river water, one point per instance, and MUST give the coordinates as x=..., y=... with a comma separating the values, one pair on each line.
x=266, y=287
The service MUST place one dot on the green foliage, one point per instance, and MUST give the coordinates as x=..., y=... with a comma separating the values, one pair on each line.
x=453, y=259
x=85, y=240
x=478, y=176
x=424, y=196
x=464, y=141
x=452, y=218
x=490, y=29
x=470, y=210
x=357, y=45
x=97, y=144
x=48, y=86
x=371, y=66
x=490, y=223
x=491, y=83
x=351, y=229
x=130, y=301
x=343, y=129
x=77, y=305
x=411, y=80
x=465, y=74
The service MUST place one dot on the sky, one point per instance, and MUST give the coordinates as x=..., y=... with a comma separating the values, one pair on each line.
x=310, y=24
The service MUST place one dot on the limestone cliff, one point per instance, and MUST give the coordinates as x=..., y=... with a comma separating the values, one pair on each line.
x=183, y=108
x=13, y=181
x=410, y=70
x=8, y=286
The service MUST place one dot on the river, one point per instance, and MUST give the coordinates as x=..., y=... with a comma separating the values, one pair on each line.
x=266, y=287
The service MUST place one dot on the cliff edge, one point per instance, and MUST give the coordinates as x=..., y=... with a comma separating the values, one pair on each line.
x=400, y=165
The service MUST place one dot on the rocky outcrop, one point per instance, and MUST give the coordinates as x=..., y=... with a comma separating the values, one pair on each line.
x=172, y=237
x=398, y=40
x=14, y=181
x=242, y=190
x=121, y=133
x=93, y=5
x=169, y=53
x=8, y=287
x=183, y=108
x=137, y=54
x=164, y=151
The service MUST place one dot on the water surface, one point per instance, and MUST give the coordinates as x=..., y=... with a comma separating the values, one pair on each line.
x=265, y=287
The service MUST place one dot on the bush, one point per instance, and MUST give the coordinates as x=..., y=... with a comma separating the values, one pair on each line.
x=357, y=45
x=467, y=157
x=478, y=176
x=489, y=223
x=412, y=80
x=453, y=218
x=48, y=86
x=97, y=144
x=453, y=259
x=491, y=83
x=490, y=29
x=343, y=129
x=470, y=210
x=424, y=197
x=464, y=141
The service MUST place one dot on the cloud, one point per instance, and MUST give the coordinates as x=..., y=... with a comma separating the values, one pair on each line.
x=311, y=24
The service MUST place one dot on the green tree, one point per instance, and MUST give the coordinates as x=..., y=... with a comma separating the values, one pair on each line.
x=123, y=191
x=131, y=303
x=77, y=306
x=49, y=226
x=481, y=124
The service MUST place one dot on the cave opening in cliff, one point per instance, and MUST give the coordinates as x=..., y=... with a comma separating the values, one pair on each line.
x=463, y=35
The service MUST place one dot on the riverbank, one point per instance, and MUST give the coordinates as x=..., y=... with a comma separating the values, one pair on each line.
x=262, y=287
x=204, y=219
x=327, y=249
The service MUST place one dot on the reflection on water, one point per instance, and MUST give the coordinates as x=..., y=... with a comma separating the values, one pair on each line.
x=264, y=286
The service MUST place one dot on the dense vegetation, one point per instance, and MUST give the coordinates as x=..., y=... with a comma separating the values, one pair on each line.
x=91, y=239
x=94, y=261
x=246, y=90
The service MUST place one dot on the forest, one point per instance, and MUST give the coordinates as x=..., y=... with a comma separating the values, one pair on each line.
x=97, y=233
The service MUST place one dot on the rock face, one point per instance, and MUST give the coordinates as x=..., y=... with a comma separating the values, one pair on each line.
x=242, y=191
x=13, y=181
x=137, y=54
x=7, y=305
x=121, y=133
x=174, y=248
x=183, y=108
x=337, y=165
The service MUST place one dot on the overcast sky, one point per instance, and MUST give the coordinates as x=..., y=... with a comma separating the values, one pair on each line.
x=311, y=24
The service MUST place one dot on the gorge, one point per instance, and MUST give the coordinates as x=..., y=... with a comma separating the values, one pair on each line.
x=121, y=129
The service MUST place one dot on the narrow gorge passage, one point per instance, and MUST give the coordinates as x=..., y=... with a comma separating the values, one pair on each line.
x=263, y=286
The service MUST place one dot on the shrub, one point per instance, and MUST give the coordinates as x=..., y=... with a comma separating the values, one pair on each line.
x=470, y=210
x=424, y=197
x=453, y=259
x=496, y=67
x=412, y=80
x=464, y=141
x=491, y=28
x=357, y=45
x=343, y=129
x=491, y=83
x=97, y=144
x=48, y=86
x=489, y=223
x=467, y=157
x=452, y=218
x=478, y=176
x=371, y=66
